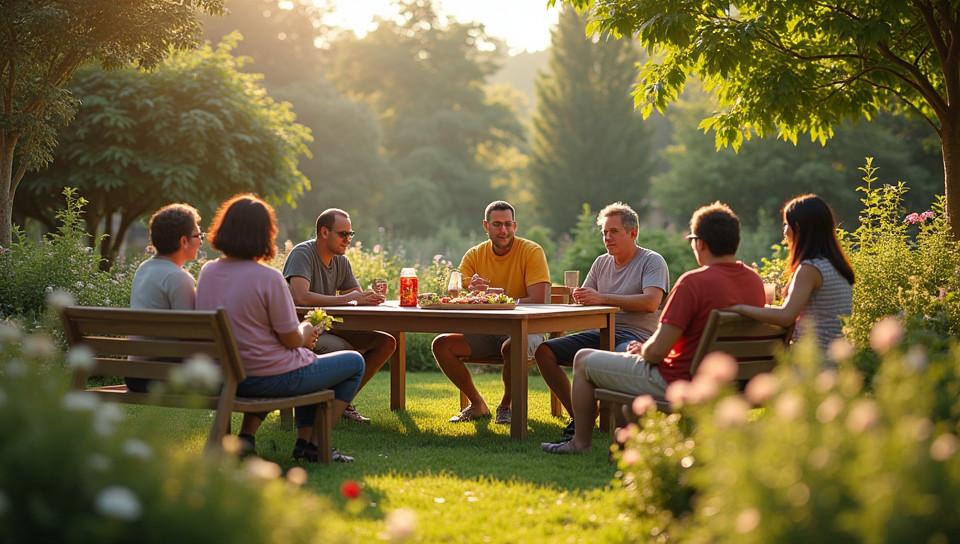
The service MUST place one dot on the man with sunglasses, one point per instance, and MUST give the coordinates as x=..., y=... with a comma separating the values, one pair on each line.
x=320, y=274
x=519, y=267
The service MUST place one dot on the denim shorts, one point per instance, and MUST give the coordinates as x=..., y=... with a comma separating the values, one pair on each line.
x=489, y=345
x=340, y=371
x=565, y=347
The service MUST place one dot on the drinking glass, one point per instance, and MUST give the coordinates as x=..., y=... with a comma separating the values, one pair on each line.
x=770, y=292
x=380, y=286
x=571, y=280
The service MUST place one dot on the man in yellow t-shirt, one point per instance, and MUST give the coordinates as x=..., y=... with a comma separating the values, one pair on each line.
x=519, y=267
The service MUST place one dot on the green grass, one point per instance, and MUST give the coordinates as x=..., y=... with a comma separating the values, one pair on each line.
x=466, y=482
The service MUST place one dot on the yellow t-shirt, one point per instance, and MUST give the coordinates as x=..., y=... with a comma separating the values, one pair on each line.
x=524, y=265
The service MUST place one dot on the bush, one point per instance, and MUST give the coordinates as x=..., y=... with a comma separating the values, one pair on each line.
x=60, y=261
x=70, y=473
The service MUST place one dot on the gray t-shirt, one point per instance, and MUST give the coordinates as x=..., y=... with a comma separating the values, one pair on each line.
x=159, y=284
x=303, y=261
x=646, y=269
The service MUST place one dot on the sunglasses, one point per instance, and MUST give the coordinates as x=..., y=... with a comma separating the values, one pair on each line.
x=199, y=235
x=345, y=233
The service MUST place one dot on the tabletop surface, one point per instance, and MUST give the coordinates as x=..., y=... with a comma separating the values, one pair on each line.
x=475, y=310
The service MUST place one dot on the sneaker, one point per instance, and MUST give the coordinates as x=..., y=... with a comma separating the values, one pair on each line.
x=248, y=445
x=352, y=414
x=469, y=414
x=568, y=431
x=503, y=415
x=305, y=451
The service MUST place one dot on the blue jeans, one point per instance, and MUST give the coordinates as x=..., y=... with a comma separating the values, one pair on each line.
x=341, y=371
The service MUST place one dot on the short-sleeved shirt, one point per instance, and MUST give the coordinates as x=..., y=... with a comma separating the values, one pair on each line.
x=303, y=261
x=524, y=265
x=646, y=269
x=159, y=284
x=260, y=307
x=826, y=305
x=695, y=295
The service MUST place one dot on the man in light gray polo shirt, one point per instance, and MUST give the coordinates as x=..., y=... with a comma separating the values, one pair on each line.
x=629, y=276
x=320, y=274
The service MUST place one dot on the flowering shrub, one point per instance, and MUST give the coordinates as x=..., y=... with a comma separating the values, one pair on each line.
x=906, y=265
x=69, y=472
x=823, y=461
x=61, y=261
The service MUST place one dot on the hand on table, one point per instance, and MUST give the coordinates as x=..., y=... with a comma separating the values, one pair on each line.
x=586, y=295
x=369, y=298
x=478, y=284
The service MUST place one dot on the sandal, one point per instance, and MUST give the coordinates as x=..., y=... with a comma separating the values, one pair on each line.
x=561, y=448
x=305, y=451
x=469, y=414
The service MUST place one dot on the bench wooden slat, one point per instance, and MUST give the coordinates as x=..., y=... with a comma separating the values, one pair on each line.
x=171, y=334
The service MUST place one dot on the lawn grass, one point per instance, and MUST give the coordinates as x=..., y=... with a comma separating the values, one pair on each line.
x=465, y=482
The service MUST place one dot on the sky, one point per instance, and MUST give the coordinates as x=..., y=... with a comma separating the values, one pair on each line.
x=524, y=24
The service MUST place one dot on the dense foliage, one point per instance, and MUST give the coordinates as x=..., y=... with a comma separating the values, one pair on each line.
x=42, y=43
x=196, y=130
x=588, y=144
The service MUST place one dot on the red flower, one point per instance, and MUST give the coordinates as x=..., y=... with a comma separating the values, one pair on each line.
x=350, y=489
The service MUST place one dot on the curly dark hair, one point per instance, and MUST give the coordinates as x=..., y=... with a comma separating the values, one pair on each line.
x=169, y=224
x=718, y=227
x=245, y=227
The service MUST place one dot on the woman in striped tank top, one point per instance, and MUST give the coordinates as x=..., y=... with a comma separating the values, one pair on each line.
x=820, y=291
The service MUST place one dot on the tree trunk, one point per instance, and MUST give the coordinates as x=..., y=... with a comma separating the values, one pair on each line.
x=8, y=143
x=950, y=142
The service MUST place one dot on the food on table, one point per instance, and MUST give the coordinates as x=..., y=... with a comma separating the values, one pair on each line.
x=477, y=297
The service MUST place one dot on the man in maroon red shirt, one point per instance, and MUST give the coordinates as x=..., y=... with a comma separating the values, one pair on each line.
x=647, y=369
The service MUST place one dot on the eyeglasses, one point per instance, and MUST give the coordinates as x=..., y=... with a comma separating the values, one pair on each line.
x=497, y=225
x=693, y=240
x=345, y=233
x=199, y=235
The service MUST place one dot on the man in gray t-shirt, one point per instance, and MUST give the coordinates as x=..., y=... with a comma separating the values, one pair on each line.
x=628, y=276
x=320, y=274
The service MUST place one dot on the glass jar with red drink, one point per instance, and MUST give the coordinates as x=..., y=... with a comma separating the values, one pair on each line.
x=408, y=287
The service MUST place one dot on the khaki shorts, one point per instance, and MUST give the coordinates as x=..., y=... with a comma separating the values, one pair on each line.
x=489, y=345
x=623, y=372
x=361, y=341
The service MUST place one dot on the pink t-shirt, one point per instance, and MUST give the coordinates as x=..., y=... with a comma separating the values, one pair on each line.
x=259, y=306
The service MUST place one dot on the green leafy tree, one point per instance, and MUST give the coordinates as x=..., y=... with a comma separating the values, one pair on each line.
x=792, y=68
x=196, y=130
x=425, y=78
x=588, y=144
x=766, y=172
x=43, y=42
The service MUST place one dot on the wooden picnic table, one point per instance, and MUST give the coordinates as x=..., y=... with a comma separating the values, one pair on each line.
x=517, y=323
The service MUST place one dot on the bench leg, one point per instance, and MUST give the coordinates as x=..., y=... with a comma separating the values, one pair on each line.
x=286, y=418
x=322, y=427
x=555, y=407
x=219, y=429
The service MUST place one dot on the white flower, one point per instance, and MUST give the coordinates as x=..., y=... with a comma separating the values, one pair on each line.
x=261, y=468
x=61, y=298
x=80, y=357
x=9, y=333
x=138, y=449
x=943, y=447
x=38, y=346
x=863, y=415
x=761, y=388
x=118, y=503
x=105, y=419
x=887, y=333
x=400, y=524
x=198, y=372
x=297, y=476
x=747, y=520
x=80, y=401
x=730, y=412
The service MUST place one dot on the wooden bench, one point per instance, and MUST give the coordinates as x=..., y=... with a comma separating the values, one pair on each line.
x=752, y=343
x=116, y=333
x=558, y=295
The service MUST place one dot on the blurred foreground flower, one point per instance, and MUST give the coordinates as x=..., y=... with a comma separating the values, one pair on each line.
x=400, y=525
x=118, y=503
x=199, y=373
x=350, y=489
x=886, y=334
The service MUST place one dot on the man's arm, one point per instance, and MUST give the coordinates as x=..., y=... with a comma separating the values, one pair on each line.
x=303, y=296
x=658, y=346
x=538, y=293
x=648, y=301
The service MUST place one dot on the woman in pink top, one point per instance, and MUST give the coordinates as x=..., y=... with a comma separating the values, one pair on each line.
x=274, y=345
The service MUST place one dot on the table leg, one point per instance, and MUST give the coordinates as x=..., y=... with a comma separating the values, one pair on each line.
x=518, y=380
x=607, y=341
x=398, y=373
